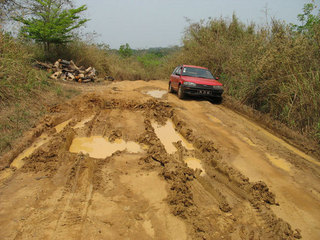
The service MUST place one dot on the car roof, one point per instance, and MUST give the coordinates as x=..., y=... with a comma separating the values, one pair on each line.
x=194, y=66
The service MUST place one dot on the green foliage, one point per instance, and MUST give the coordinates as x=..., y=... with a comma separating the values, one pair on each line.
x=308, y=20
x=125, y=51
x=144, y=64
x=50, y=23
x=150, y=60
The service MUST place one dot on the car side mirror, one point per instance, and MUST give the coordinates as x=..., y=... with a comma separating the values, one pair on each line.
x=217, y=78
x=178, y=74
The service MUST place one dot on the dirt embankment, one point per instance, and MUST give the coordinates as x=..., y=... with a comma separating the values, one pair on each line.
x=98, y=169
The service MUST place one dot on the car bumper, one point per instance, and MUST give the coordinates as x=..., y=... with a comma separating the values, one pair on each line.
x=202, y=91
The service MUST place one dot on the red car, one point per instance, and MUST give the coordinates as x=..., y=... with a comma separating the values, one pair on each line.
x=194, y=81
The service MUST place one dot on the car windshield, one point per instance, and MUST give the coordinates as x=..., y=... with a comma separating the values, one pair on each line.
x=197, y=72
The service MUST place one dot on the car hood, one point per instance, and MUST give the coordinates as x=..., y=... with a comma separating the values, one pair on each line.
x=204, y=81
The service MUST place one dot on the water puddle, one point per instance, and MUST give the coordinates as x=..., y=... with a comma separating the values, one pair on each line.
x=214, y=119
x=61, y=126
x=157, y=93
x=82, y=123
x=194, y=164
x=18, y=161
x=100, y=147
x=279, y=162
x=168, y=135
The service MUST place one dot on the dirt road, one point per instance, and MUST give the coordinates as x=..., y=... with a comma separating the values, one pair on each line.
x=128, y=161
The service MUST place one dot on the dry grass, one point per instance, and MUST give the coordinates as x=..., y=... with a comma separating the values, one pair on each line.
x=272, y=69
x=24, y=91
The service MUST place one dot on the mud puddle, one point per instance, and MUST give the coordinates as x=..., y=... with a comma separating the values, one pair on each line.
x=168, y=136
x=195, y=163
x=100, y=147
x=156, y=93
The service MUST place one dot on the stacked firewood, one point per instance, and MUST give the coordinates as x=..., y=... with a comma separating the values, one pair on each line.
x=69, y=71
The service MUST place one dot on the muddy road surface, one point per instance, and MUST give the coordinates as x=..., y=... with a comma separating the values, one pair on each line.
x=129, y=161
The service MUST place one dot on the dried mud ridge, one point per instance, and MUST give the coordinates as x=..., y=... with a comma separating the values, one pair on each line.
x=222, y=184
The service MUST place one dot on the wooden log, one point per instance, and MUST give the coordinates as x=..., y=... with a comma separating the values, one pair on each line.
x=73, y=66
x=63, y=76
x=88, y=70
x=86, y=80
x=70, y=77
x=42, y=65
x=56, y=64
x=81, y=75
x=56, y=75
x=91, y=75
x=65, y=62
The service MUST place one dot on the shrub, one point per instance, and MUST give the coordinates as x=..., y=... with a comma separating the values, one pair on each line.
x=272, y=69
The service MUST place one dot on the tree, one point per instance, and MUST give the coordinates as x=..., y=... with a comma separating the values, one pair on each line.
x=125, y=50
x=51, y=22
x=308, y=20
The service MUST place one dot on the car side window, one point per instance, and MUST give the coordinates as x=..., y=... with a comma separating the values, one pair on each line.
x=175, y=70
x=178, y=72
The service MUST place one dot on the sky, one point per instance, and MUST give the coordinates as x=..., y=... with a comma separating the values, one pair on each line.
x=161, y=23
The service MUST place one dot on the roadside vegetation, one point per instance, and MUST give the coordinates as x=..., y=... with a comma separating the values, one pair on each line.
x=25, y=92
x=146, y=64
x=274, y=69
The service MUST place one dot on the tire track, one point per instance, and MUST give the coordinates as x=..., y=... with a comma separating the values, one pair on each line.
x=78, y=194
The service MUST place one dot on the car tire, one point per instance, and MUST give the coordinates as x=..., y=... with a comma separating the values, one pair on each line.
x=181, y=93
x=170, y=89
x=217, y=100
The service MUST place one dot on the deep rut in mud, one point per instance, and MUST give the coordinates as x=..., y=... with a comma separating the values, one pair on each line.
x=107, y=173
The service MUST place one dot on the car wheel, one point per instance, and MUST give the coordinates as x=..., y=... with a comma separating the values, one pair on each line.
x=181, y=94
x=217, y=100
x=170, y=89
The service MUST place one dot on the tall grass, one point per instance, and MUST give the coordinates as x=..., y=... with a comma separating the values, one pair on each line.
x=272, y=69
x=24, y=91
x=142, y=67
x=18, y=79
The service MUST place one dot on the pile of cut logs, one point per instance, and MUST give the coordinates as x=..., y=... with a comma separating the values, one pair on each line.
x=68, y=71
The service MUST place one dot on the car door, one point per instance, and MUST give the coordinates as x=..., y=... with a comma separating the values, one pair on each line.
x=176, y=77
x=172, y=76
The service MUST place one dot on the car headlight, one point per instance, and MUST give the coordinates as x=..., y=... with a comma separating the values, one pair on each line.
x=189, y=84
x=217, y=87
